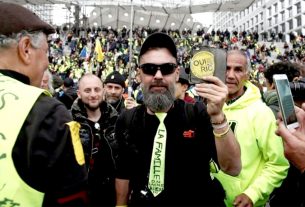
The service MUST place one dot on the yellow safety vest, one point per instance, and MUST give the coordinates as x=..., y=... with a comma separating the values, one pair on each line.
x=17, y=99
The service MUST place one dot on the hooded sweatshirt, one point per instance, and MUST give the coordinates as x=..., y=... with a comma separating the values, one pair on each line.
x=263, y=163
x=271, y=100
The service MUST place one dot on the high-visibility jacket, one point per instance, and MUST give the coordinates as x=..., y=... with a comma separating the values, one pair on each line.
x=20, y=98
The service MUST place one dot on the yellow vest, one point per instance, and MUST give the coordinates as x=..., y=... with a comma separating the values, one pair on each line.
x=17, y=99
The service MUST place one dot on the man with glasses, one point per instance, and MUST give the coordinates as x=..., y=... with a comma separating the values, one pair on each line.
x=41, y=157
x=97, y=119
x=164, y=156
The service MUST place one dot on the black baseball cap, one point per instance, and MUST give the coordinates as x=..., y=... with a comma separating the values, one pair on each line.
x=160, y=40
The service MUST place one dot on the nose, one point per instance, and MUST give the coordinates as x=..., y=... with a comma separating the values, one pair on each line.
x=112, y=90
x=93, y=94
x=158, y=75
x=229, y=73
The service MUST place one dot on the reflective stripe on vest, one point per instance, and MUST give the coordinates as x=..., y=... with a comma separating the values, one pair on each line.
x=16, y=101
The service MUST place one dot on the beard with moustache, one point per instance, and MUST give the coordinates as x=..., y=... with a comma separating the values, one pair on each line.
x=158, y=102
x=92, y=108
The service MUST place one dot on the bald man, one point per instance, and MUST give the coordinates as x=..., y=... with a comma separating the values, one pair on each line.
x=97, y=119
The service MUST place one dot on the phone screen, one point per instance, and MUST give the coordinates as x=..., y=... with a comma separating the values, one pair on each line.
x=285, y=101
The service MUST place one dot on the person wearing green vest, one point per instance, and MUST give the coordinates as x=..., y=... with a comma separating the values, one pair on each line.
x=41, y=156
x=264, y=166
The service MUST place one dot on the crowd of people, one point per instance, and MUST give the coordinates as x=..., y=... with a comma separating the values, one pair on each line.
x=85, y=124
x=75, y=51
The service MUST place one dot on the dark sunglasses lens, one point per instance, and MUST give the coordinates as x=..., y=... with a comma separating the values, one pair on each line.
x=151, y=69
x=167, y=68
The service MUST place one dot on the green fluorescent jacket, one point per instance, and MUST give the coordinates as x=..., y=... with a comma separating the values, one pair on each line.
x=263, y=163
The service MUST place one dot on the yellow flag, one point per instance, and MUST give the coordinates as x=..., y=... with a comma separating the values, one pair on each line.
x=98, y=50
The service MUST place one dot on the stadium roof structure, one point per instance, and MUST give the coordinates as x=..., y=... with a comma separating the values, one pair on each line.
x=175, y=14
x=166, y=6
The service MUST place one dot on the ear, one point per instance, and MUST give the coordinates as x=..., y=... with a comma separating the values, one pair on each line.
x=185, y=87
x=140, y=73
x=177, y=72
x=78, y=94
x=24, y=49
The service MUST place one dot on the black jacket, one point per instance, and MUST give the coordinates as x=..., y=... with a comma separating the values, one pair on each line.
x=119, y=105
x=67, y=97
x=100, y=148
x=43, y=153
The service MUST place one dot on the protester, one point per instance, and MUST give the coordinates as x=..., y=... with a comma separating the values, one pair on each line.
x=114, y=90
x=47, y=82
x=137, y=92
x=57, y=83
x=294, y=148
x=97, y=119
x=263, y=164
x=288, y=193
x=67, y=94
x=42, y=161
x=182, y=86
x=270, y=96
x=181, y=161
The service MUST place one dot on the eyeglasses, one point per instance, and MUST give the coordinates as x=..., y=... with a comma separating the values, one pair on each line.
x=151, y=69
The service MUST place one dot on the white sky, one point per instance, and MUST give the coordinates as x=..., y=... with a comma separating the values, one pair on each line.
x=206, y=19
x=59, y=15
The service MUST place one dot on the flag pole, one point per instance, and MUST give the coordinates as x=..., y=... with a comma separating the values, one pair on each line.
x=130, y=50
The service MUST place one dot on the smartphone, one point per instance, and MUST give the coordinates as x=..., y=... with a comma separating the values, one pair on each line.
x=129, y=91
x=285, y=101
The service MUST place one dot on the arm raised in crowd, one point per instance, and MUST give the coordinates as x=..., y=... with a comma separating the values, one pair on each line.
x=228, y=150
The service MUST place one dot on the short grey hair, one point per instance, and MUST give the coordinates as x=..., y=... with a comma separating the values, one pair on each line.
x=50, y=82
x=243, y=53
x=37, y=38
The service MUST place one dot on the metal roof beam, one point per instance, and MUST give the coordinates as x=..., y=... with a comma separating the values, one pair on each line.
x=182, y=22
x=165, y=11
x=164, y=26
x=149, y=18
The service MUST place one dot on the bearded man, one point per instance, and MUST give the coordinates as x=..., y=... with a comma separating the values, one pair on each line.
x=97, y=119
x=163, y=158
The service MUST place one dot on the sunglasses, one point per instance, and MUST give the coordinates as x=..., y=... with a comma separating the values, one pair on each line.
x=151, y=69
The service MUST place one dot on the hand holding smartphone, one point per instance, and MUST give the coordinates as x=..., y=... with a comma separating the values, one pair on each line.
x=285, y=101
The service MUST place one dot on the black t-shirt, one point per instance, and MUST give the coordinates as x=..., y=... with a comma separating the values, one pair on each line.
x=187, y=174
